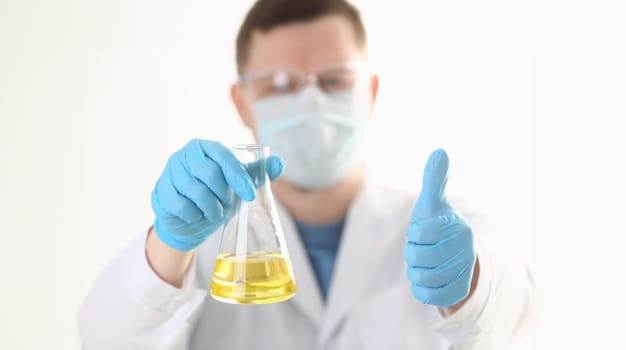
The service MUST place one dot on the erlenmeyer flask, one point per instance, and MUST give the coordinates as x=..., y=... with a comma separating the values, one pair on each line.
x=253, y=265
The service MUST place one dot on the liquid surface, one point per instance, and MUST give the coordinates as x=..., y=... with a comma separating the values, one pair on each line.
x=258, y=278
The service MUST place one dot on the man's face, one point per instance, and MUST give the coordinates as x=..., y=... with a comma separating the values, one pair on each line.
x=303, y=46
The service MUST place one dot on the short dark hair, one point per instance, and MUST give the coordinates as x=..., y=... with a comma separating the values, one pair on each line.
x=265, y=15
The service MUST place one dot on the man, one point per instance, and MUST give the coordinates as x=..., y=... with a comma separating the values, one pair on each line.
x=376, y=269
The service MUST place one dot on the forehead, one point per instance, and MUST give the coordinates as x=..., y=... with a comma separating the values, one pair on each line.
x=304, y=45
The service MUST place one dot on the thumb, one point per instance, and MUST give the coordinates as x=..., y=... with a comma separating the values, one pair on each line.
x=274, y=166
x=432, y=196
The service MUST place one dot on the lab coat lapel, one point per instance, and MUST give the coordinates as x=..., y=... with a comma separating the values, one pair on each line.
x=362, y=246
x=308, y=297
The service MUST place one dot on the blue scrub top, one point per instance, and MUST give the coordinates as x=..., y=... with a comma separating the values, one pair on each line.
x=321, y=243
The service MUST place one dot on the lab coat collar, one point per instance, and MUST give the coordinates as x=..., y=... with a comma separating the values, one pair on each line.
x=308, y=296
x=363, y=244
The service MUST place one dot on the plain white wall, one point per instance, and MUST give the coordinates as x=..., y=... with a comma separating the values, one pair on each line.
x=95, y=95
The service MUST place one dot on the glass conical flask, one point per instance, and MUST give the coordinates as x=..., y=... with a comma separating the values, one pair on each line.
x=253, y=265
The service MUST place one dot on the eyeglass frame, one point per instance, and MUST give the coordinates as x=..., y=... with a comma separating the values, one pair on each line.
x=309, y=77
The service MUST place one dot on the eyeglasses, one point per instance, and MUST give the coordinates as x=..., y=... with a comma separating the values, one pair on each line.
x=331, y=78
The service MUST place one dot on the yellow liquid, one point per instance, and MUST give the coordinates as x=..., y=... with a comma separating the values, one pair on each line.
x=258, y=278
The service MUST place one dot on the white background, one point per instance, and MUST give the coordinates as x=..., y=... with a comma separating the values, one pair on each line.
x=526, y=98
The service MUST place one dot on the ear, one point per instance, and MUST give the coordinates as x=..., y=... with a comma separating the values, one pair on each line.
x=374, y=88
x=242, y=106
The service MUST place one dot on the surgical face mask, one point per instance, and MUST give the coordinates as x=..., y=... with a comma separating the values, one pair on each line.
x=318, y=135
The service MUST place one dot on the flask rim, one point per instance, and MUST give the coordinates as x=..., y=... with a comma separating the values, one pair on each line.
x=250, y=147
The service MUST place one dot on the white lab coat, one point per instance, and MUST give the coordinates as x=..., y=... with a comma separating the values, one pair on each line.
x=369, y=306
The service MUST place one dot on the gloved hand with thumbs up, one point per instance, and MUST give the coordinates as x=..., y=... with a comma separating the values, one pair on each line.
x=440, y=250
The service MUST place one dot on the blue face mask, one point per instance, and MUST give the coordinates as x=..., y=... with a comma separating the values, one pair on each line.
x=318, y=135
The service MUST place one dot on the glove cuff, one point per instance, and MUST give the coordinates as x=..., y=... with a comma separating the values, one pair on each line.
x=182, y=243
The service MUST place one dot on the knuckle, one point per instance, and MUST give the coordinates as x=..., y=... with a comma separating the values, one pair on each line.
x=212, y=144
x=154, y=201
x=182, y=186
x=174, y=158
x=210, y=207
x=429, y=295
x=414, y=232
x=416, y=291
x=425, y=295
x=193, y=142
x=409, y=254
x=214, y=173
x=416, y=276
x=178, y=208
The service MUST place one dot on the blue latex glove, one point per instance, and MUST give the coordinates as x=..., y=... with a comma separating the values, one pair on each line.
x=193, y=195
x=440, y=251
